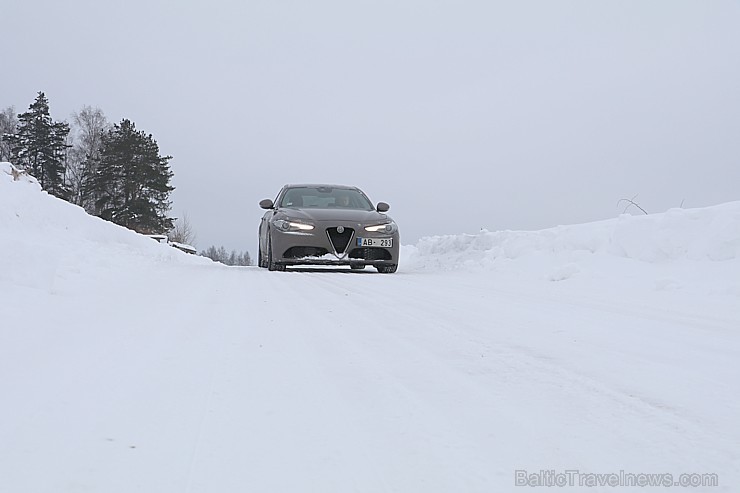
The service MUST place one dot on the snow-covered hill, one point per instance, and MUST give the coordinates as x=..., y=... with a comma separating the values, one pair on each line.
x=711, y=233
x=127, y=365
x=42, y=236
x=691, y=250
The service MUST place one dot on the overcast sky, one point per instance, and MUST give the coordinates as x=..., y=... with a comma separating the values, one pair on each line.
x=461, y=114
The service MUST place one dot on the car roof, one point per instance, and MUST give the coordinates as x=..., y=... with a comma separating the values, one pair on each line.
x=319, y=185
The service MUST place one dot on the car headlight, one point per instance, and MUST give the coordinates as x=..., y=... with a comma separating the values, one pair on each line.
x=382, y=228
x=284, y=225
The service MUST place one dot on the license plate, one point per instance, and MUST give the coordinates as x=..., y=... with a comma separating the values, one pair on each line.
x=375, y=242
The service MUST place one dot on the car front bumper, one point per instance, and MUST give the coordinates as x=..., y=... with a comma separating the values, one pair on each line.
x=318, y=248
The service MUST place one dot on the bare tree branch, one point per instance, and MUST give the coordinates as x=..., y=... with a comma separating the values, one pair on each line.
x=631, y=202
x=8, y=125
x=183, y=231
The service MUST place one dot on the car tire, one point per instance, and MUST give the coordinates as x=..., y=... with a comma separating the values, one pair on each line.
x=271, y=264
x=387, y=269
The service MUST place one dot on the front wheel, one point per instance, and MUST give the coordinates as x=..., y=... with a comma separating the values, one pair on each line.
x=387, y=269
x=260, y=261
x=271, y=264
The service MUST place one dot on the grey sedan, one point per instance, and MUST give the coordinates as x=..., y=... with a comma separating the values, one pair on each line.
x=327, y=225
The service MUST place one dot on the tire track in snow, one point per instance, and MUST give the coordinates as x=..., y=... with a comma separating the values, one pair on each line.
x=545, y=371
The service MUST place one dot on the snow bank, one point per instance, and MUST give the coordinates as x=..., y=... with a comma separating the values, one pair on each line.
x=34, y=225
x=711, y=233
x=39, y=233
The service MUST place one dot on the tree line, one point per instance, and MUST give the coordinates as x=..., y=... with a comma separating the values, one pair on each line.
x=115, y=172
x=221, y=255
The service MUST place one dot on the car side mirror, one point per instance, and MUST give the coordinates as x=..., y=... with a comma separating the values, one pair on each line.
x=266, y=204
x=382, y=207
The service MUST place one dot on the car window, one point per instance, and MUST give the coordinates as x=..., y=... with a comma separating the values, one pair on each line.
x=325, y=198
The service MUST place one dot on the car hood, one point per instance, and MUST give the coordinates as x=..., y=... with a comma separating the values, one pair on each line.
x=322, y=215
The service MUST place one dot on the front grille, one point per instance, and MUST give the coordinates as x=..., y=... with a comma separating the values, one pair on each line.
x=371, y=253
x=340, y=240
x=301, y=252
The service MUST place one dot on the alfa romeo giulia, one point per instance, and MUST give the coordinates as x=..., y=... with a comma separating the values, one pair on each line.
x=327, y=225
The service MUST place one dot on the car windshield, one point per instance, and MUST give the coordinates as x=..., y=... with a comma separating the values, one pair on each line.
x=325, y=198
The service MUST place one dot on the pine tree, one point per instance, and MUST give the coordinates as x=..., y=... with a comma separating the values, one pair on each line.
x=39, y=146
x=211, y=253
x=132, y=181
x=223, y=256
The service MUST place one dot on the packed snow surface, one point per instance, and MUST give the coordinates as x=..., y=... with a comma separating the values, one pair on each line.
x=128, y=365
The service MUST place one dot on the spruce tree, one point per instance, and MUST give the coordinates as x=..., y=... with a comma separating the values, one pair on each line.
x=39, y=146
x=132, y=181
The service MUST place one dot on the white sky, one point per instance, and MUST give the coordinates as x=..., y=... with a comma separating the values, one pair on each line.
x=461, y=114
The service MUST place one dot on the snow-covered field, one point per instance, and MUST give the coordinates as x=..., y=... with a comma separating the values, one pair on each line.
x=127, y=365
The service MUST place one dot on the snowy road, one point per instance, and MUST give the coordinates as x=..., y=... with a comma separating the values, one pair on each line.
x=126, y=365
x=239, y=379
